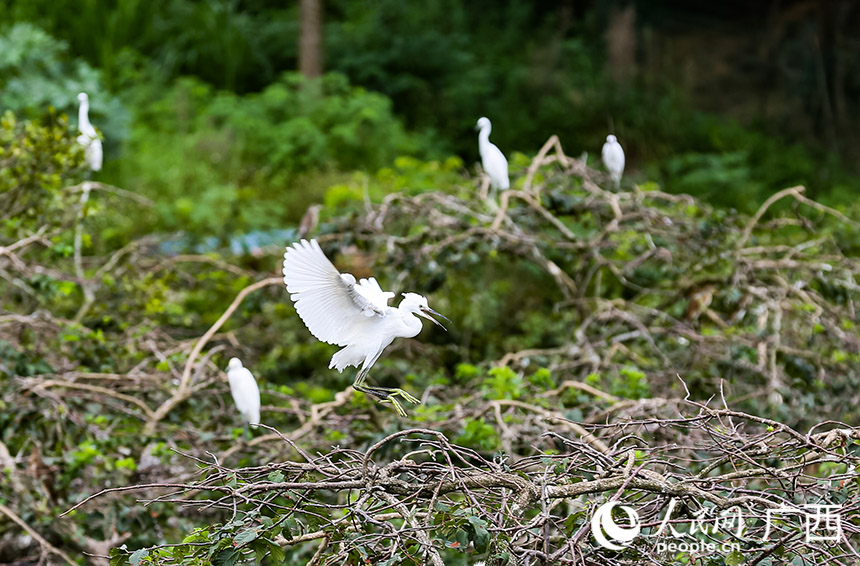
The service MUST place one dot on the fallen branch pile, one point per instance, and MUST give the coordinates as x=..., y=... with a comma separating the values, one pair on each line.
x=748, y=483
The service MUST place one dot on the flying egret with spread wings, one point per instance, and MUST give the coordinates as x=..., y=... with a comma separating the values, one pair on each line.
x=245, y=392
x=89, y=138
x=492, y=158
x=613, y=159
x=338, y=310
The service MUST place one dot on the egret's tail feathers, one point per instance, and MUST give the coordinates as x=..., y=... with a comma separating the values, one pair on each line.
x=252, y=417
x=345, y=358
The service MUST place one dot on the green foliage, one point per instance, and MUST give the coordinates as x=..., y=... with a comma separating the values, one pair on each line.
x=216, y=39
x=542, y=379
x=465, y=372
x=36, y=162
x=479, y=435
x=732, y=166
x=37, y=73
x=458, y=60
x=295, y=125
x=628, y=382
x=503, y=383
x=407, y=175
x=218, y=163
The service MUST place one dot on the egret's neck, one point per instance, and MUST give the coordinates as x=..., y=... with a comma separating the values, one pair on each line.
x=84, y=118
x=484, y=135
x=411, y=321
x=83, y=114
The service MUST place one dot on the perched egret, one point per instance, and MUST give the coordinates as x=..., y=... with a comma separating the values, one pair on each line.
x=89, y=138
x=337, y=310
x=613, y=159
x=245, y=392
x=492, y=158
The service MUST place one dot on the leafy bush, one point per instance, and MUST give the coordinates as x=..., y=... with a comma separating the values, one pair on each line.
x=38, y=74
x=36, y=162
x=218, y=163
x=296, y=125
x=217, y=40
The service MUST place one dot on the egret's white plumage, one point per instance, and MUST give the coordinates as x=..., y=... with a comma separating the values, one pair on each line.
x=245, y=392
x=89, y=138
x=492, y=158
x=338, y=310
x=613, y=158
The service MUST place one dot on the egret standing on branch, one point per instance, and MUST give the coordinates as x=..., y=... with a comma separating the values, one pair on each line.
x=337, y=310
x=245, y=392
x=492, y=158
x=89, y=138
x=613, y=159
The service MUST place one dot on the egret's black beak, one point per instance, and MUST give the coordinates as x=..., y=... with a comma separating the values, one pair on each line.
x=423, y=312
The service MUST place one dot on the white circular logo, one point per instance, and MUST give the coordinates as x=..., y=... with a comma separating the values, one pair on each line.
x=602, y=522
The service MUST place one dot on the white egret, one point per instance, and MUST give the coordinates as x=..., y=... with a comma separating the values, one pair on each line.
x=613, y=159
x=492, y=158
x=89, y=138
x=245, y=392
x=337, y=310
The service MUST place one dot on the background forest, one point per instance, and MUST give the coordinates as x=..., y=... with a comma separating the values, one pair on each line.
x=690, y=337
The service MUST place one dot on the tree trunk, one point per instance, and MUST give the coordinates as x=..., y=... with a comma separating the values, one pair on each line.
x=621, y=43
x=310, y=38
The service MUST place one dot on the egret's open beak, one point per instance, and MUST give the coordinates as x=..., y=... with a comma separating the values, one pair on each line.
x=424, y=312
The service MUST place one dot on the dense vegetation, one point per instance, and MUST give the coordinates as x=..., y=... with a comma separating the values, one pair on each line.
x=571, y=307
x=641, y=344
x=535, y=69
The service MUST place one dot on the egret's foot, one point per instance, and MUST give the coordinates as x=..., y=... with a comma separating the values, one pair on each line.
x=394, y=403
x=386, y=395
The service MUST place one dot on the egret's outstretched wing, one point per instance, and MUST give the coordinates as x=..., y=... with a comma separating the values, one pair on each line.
x=329, y=303
x=370, y=290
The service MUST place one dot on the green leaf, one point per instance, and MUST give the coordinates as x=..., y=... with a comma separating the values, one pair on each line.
x=227, y=557
x=118, y=556
x=277, y=553
x=260, y=548
x=481, y=539
x=137, y=556
x=734, y=558
x=245, y=536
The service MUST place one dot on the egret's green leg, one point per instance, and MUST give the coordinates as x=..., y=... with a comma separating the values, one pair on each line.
x=384, y=394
